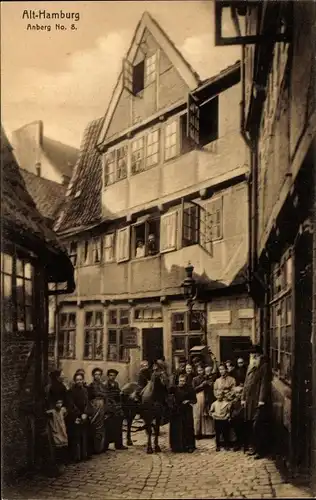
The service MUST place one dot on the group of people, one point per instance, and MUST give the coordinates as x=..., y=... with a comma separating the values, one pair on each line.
x=83, y=418
x=230, y=403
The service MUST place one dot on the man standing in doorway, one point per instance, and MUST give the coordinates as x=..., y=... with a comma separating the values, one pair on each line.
x=256, y=400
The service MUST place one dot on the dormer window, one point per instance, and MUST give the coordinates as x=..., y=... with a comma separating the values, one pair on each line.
x=137, y=77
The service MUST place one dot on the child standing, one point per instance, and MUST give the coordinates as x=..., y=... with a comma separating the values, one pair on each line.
x=58, y=432
x=220, y=412
x=237, y=418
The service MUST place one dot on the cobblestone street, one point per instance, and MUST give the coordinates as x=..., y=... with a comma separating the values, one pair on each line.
x=134, y=474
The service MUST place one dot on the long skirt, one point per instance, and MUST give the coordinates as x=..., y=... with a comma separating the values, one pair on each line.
x=79, y=441
x=98, y=425
x=181, y=432
x=203, y=424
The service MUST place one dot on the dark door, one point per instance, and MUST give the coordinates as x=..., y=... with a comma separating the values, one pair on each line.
x=152, y=344
x=234, y=347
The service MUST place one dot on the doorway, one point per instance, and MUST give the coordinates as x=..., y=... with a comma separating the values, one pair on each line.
x=152, y=344
x=233, y=347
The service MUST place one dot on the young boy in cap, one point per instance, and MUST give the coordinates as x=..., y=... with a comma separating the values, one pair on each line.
x=115, y=415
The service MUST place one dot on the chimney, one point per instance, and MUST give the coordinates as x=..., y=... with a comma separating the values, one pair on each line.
x=65, y=180
x=38, y=168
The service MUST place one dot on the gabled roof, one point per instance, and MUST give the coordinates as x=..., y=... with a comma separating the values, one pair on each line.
x=48, y=195
x=186, y=71
x=22, y=222
x=61, y=155
x=82, y=206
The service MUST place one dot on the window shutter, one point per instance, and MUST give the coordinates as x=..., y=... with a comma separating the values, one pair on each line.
x=168, y=232
x=193, y=123
x=109, y=247
x=128, y=75
x=123, y=238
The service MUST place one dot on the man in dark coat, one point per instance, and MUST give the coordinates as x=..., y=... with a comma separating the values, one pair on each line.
x=256, y=399
x=240, y=372
x=114, y=413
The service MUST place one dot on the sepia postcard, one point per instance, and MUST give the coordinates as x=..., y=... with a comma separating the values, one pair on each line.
x=158, y=249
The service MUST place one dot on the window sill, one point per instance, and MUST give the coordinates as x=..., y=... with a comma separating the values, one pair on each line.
x=115, y=182
x=117, y=361
x=147, y=257
x=151, y=320
x=133, y=174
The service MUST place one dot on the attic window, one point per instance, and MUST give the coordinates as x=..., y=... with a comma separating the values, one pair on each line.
x=150, y=69
x=134, y=76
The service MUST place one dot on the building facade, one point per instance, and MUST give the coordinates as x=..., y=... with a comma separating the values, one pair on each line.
x=31, y=259
x=167, y=185
x=279, y=123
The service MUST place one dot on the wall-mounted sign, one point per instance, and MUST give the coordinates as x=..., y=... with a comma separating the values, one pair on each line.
x=219, y=317
x=246, y=313
x=130, y=336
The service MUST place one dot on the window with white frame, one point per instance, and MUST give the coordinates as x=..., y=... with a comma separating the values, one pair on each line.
x=138, y=156
x=123, y=244
x=146, y=238
x=109, y=241
x=281, y=323
x=115, y=165
x=67, y=335
x=187, y=332
x=168, y=231
x=171, y=139
x=150, y=69
x=117, y=320
x=109, y=168
x=96, y=250
x=152, y=148
x=148, y=314
x=93, y=335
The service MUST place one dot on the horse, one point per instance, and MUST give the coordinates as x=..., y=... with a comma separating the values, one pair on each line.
x=151, y=407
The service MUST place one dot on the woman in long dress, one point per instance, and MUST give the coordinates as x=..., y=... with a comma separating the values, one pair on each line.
x=181, y=424
x=203, y=423
x=97, y=396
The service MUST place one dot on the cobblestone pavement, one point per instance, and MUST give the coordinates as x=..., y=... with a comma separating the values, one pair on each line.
x=134, y=474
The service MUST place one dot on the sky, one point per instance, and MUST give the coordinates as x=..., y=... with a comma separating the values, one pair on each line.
x=66, y=78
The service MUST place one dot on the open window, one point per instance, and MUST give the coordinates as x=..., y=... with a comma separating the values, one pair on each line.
x=190, y=224
x=73, y=251
x=146, y=236
x=123, y=244
x=134, y=76
x=96, y=250
x=168, y=231
x=211, y=223
x=202, y=124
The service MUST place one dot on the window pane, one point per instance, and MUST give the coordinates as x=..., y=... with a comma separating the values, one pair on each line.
x=88, y=344
x=28, y=270
x=112, y=352
x=139, y=313
x=28, y=292
x=113, y=317
x=178, y=343
x=194, y=323
x=98, y=318
x=19, y=267
x=29, y=318
x=6, y=263
x=99, y=344
x=63, y=320
x=89, y=318
x=112, y=336
x=124, y=317
x=71, y=344
x=20, y=291
x=7, y=286
x=194, y=340
x=72, y=320
x=177, y=320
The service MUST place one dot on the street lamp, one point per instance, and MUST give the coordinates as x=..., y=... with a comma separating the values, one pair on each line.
x=190, y=288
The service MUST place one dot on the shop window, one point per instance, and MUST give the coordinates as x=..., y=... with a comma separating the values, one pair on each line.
x=67, y=335
x=109, y=242
x=281, y=321
x=171, y=139
x=146, y=238
x=96, y=250
x=148, y=314
x=117, y=319
x=187, y=332
x=93, y=335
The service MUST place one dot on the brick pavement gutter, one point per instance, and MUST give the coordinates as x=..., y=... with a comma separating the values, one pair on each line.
x=134, y=474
